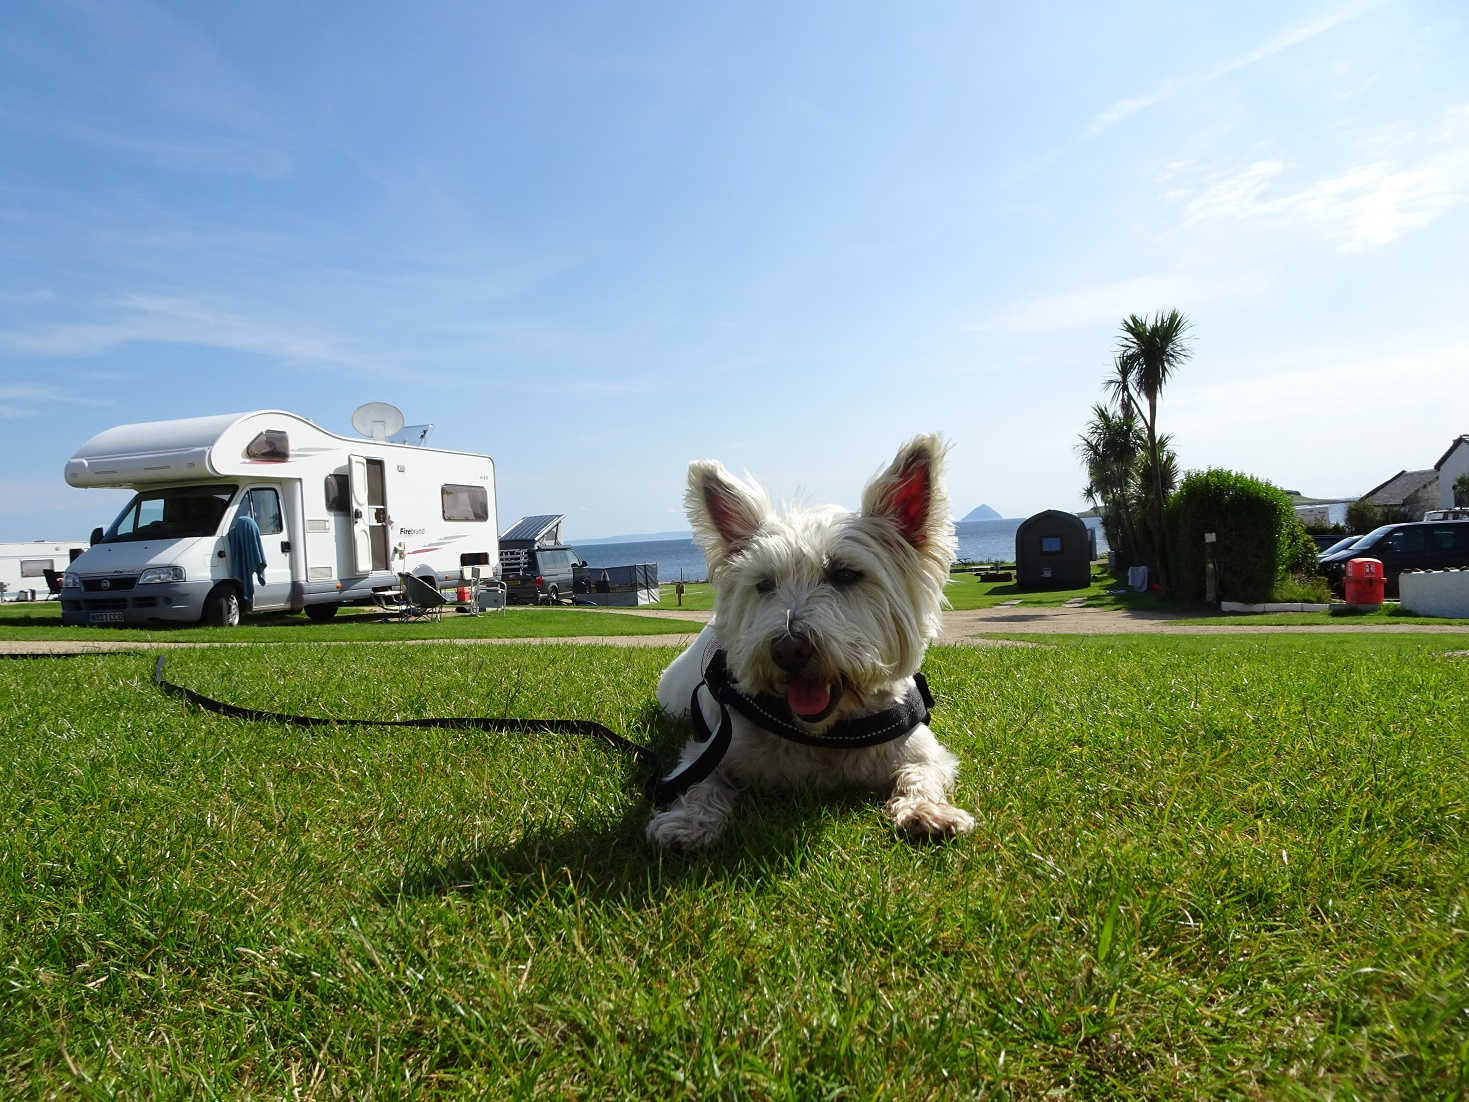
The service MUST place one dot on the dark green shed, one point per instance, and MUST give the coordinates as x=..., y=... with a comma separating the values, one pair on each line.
x=1053, y=550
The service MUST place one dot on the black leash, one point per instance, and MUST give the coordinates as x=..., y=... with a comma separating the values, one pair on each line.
x=479, y=723
x=768, y=712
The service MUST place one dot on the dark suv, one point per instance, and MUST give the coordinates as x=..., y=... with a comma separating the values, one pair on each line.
x=543, y=576
x=1424, y=545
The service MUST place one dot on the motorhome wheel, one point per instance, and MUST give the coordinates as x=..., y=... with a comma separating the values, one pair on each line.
x=321, y=613
x=222, y=607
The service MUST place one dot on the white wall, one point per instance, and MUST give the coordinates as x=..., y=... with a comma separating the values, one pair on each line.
x=1455, y=465
x=1435, y=592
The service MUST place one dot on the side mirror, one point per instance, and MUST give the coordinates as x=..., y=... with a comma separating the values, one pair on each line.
x=96, y=536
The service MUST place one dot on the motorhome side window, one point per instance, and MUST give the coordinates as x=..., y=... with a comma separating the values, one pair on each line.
x=337, y=497
x=265, y=506
x=272, y=444
x=465, y=502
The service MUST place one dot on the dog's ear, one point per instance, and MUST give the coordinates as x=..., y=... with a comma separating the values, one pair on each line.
x=724, y=511
x=911, y=493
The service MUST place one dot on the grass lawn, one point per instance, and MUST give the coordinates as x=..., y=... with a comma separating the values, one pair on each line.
x=1202, y=867
x=964, y=591
x=1389, y=614
x=42, y=620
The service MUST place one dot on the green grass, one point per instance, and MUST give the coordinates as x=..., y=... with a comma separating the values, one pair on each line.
x=1202, y=867
x=1390, y=614
x=964, y=591
x=42, y=620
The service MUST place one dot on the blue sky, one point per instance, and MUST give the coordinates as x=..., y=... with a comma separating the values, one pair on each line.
x=599, y=241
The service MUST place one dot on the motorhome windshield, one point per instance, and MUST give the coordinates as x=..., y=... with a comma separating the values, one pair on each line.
x=173, y=513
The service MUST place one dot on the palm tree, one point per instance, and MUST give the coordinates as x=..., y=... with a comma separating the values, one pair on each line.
x=1148, y=354
x=1111, y=448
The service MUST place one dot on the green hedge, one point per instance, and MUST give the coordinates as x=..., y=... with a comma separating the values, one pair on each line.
x=1259, y=538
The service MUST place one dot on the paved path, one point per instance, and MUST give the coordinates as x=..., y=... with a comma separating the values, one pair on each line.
x=971, y=627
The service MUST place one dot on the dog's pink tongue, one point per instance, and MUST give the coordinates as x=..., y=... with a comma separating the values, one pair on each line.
x=807, y=698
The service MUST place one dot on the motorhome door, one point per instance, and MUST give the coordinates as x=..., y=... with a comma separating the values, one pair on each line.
x=263, y=503
x=369, y=513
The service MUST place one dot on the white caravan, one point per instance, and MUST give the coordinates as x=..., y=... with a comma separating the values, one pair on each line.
x=338, y=519
x=23, y=567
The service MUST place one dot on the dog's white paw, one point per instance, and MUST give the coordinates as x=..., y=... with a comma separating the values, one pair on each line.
x=920, y=817
x=677, y=829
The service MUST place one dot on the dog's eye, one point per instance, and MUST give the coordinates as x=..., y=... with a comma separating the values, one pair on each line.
x=765, y=585
x=844, y=576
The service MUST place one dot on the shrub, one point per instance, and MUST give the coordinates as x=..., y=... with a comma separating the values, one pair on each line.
x=1299, y=553
x=1303, y=588
x=1363, y=516
x=1258, y=538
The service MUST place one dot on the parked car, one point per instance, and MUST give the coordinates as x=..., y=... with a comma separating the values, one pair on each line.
x=543, y=576
x=1413, y=546
x=1339, y=545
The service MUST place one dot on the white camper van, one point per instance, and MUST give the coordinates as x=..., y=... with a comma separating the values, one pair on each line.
x=338, y=519
x=24, y=567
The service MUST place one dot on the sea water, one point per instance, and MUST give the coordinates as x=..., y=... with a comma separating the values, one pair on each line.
x=979, y=541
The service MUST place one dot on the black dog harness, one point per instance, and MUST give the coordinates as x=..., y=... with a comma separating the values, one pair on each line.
x=771, y=713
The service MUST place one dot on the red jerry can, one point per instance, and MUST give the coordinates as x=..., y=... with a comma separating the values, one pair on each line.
x=1364, y=582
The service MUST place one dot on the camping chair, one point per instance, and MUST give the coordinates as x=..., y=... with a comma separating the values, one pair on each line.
x=421, y=600
x=485, y=594
x=53, y=581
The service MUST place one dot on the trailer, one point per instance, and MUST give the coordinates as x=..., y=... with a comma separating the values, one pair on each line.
x=338, y=519
x=23, y=567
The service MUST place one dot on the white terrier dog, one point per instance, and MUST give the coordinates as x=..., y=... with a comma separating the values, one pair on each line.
x=806, y=674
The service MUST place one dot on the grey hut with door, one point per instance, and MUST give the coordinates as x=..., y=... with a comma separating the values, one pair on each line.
x=1054, y=550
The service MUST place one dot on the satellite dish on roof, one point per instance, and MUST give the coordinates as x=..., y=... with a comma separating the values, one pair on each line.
x=378, y=420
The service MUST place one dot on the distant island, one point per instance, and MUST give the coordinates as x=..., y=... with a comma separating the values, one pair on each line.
x=980, y=512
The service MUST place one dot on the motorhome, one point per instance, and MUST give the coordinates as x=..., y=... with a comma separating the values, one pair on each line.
x=338, y=519
x=23, y=567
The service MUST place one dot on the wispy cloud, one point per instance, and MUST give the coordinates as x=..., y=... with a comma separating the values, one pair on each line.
x=140, y=318
x=1124, y=109
x=24, y=400
x=1294, y=36
x=1362, y=207
x=1277, y=43
x=1105, y=303
x=128, y=77
x=588, y=388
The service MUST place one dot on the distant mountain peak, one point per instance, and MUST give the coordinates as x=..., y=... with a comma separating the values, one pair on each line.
x=980, y=512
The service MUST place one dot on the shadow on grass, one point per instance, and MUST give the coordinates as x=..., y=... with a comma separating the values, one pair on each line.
x=31, y=621
x=611, y=860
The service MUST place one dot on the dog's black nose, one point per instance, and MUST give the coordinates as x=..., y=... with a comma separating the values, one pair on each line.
x=791, y=652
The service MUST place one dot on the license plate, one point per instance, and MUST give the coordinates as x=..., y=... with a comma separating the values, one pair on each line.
x=111, y=617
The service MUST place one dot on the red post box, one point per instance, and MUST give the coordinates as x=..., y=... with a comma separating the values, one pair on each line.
x=1364, y=582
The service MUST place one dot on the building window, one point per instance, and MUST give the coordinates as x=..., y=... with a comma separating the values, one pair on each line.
x=465, y=502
